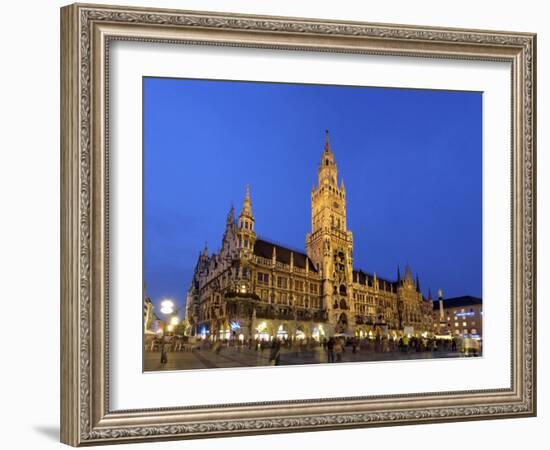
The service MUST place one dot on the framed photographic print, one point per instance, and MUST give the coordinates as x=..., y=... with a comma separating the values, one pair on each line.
x=276, y=224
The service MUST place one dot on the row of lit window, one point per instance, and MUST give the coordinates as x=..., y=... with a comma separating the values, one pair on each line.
x=362, y=309
x=382, y=301
x=299, y=300
x=465, y=331
x=283, y=283
x=465, y=324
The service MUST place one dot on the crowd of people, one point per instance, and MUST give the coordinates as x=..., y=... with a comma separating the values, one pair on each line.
x=334, y=347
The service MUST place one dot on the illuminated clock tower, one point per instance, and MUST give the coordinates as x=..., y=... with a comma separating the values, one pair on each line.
x=330, y=244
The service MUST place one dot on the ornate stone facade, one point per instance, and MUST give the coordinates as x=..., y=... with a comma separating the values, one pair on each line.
x=254, y=288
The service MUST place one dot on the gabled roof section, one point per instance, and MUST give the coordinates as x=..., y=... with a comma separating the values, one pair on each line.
x=365, y=278
x=264, y=249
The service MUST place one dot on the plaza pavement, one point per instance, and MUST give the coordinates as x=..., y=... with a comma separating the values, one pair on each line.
x=244, y=357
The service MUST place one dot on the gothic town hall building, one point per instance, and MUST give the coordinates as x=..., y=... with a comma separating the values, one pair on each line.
x=257, y=289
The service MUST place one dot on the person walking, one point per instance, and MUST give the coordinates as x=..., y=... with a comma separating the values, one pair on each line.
x=406, y=343
x=163, y=353
x=330, y=350
x=275, y=355
x=354, y=343
x=338, y=350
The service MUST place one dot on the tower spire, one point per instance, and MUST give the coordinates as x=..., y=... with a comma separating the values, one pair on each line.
x=247, y=205
x=408, y=274
x=327, y=168
x=327, y=141
x=417, y=283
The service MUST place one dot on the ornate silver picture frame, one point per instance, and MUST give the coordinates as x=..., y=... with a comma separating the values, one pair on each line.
x=87, y=33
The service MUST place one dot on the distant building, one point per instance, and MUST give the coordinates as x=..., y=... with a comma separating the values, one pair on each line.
x=256, y=288
x=458, y=316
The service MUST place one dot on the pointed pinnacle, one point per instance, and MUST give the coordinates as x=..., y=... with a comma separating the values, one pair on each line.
x=327, y=141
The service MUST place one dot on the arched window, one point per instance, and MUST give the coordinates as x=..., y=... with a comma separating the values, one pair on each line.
x=343, y=289
x=326, y=162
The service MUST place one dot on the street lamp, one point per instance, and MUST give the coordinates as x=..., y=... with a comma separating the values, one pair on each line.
x=170, y=311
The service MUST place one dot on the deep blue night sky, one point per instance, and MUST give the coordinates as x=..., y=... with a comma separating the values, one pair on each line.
x=411, y=162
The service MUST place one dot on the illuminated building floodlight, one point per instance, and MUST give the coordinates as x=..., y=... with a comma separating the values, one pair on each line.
x=167, y=307
x=174, y=321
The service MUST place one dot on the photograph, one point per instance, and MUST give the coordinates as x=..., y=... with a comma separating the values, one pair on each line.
x=297, y=224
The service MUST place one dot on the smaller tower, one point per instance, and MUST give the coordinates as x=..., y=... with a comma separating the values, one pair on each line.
x=246, y=234
x=204, y=254
x=230, y=225
x=230, y=221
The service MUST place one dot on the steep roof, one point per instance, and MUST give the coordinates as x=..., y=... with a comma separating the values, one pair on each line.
x=264, y=249
x=458, y=302
x=362, y=277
